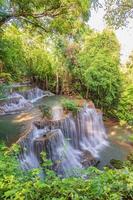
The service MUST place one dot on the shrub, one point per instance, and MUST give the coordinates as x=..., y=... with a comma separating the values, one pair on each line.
x=70, y=105
x=46, y=111
x=5, y=77
x=26, y=185
x=125, y=107
x=4, y=89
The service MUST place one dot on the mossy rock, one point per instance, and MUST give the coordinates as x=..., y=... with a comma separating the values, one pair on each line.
x=46, y=111
x=117, y=164
x=5, y=77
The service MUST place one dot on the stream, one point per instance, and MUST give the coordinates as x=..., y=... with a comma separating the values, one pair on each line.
x=14, y=126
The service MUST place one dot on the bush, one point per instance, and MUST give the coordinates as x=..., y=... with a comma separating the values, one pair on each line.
x=4, y=89
x=46, y=111
x=70, y=105
x=16, y=184
x=6, y=77
x=125, y=107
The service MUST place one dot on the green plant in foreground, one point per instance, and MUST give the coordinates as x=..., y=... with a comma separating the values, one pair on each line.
x=16, y=184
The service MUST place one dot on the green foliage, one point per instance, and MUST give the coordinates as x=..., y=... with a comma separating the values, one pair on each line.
x=87, y=64
x=46, y=111
x=124, y=112
x=117, y=164
x=3, y=91
x=12, y=53
x=98, y=69
x=125, y=107
x=70, y=105
x=101, y=185
x=6, y=77
x=49, y=16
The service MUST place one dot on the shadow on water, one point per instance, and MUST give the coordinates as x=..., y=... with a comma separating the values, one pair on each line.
x=12, y=127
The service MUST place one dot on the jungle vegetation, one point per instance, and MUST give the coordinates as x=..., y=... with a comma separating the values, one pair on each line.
x=50, y=43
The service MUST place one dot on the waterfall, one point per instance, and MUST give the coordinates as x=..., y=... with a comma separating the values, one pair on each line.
x=33, y=95
x=71, y=143
x=91, y=131
x=18, y=101
x=57, y=113
x=14, y=103
x=65, y=158
x=27, y=157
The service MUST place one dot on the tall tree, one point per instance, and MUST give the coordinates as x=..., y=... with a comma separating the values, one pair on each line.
x=98, y=69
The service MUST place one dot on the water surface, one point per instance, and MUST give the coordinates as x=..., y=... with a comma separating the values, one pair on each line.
x=12, y=127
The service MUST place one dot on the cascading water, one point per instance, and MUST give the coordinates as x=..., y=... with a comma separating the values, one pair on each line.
x=14, y=103
x=57, y=113
x=35, y=94
x=27, y=157
x=22, y=100
x=65, y=158
x=71, y=143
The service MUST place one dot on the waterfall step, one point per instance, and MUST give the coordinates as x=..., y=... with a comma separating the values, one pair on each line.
x=72, y=143
x=16, y=102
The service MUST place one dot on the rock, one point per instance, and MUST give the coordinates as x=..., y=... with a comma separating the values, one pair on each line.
x=14, y=103
x=2, y=111
x=117, y=164
x=48, y=93
x=130, y=158
x=87, y=159
x=91, y=105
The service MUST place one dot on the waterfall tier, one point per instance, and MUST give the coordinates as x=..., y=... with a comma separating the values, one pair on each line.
x=71, y=143
x=21, y=100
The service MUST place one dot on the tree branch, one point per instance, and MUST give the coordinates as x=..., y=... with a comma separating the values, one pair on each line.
x=5, y=17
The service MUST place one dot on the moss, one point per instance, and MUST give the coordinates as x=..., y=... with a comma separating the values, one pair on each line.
x=117, y=164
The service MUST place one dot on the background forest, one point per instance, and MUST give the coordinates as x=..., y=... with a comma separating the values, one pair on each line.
x=50, y=44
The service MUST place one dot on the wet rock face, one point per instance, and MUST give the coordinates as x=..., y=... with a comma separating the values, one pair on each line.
x=91, y=104
x=71, y=143
x=116, y=164
x=43, y=144
x=21, y=101
x=2, y=112
x=13, y=100
x=14, y=103
x=87, y=159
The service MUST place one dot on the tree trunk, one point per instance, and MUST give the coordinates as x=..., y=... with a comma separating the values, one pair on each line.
x=46, y=83
x=57, y=83
x=87, y=92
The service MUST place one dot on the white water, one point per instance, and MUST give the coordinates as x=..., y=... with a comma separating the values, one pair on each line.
x=16, y=103
x=95, y=138
x=57, y=113
x=22, y=101
x=33, y=95
x=65, y=140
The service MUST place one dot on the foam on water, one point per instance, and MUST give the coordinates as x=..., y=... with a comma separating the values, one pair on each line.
x=21, y=101
x=65, y=140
